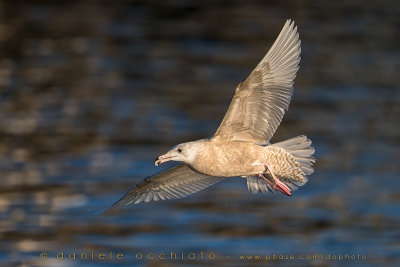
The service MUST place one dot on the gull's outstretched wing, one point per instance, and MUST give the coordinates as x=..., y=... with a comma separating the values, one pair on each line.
x=258, y=105
x=176, y=182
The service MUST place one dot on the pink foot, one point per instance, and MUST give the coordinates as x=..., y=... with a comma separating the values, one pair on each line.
x=277, y=185
x=282, y=187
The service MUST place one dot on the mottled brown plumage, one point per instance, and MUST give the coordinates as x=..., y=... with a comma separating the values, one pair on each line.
x=240, y=146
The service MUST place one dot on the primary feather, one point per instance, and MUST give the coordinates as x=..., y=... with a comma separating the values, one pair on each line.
x=176, y=182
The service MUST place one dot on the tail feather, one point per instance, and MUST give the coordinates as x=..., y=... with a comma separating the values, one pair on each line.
x=300, y=148
x=255, y=184
x=303, y=153
x=294, y=143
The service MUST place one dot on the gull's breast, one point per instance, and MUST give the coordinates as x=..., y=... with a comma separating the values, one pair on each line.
x=227, y=159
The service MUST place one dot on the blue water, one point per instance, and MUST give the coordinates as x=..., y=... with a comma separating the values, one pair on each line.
x=88, y=101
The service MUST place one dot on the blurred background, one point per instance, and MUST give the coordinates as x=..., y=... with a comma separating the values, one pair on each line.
x=92, y=91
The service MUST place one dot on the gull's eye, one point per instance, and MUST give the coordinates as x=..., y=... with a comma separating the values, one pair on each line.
x=179, y=150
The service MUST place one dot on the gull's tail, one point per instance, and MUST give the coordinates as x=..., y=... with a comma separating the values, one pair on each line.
x=291, y=161
x=300, y=147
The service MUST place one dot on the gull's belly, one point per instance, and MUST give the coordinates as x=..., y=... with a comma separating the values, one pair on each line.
x=230, y=159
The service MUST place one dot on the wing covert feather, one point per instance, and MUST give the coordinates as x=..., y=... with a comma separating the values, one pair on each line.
x=259, y=103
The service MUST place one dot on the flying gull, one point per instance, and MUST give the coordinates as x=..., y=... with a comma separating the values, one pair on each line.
x=241, y=146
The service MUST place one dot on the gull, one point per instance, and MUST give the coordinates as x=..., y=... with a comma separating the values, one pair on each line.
x=241, y=145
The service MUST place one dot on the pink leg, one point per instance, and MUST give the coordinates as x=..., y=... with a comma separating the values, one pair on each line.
x=267, y=180
x=278, y=185
x=273, y=185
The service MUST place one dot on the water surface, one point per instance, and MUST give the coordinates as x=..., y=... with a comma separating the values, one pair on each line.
x=91, y=92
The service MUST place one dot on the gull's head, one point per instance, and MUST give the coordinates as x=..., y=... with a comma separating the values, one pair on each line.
x=185, y=152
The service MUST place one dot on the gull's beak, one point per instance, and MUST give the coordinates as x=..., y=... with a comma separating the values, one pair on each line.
x=162, y=159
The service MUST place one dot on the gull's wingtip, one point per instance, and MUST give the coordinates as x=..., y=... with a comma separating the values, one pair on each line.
x=290, y=21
